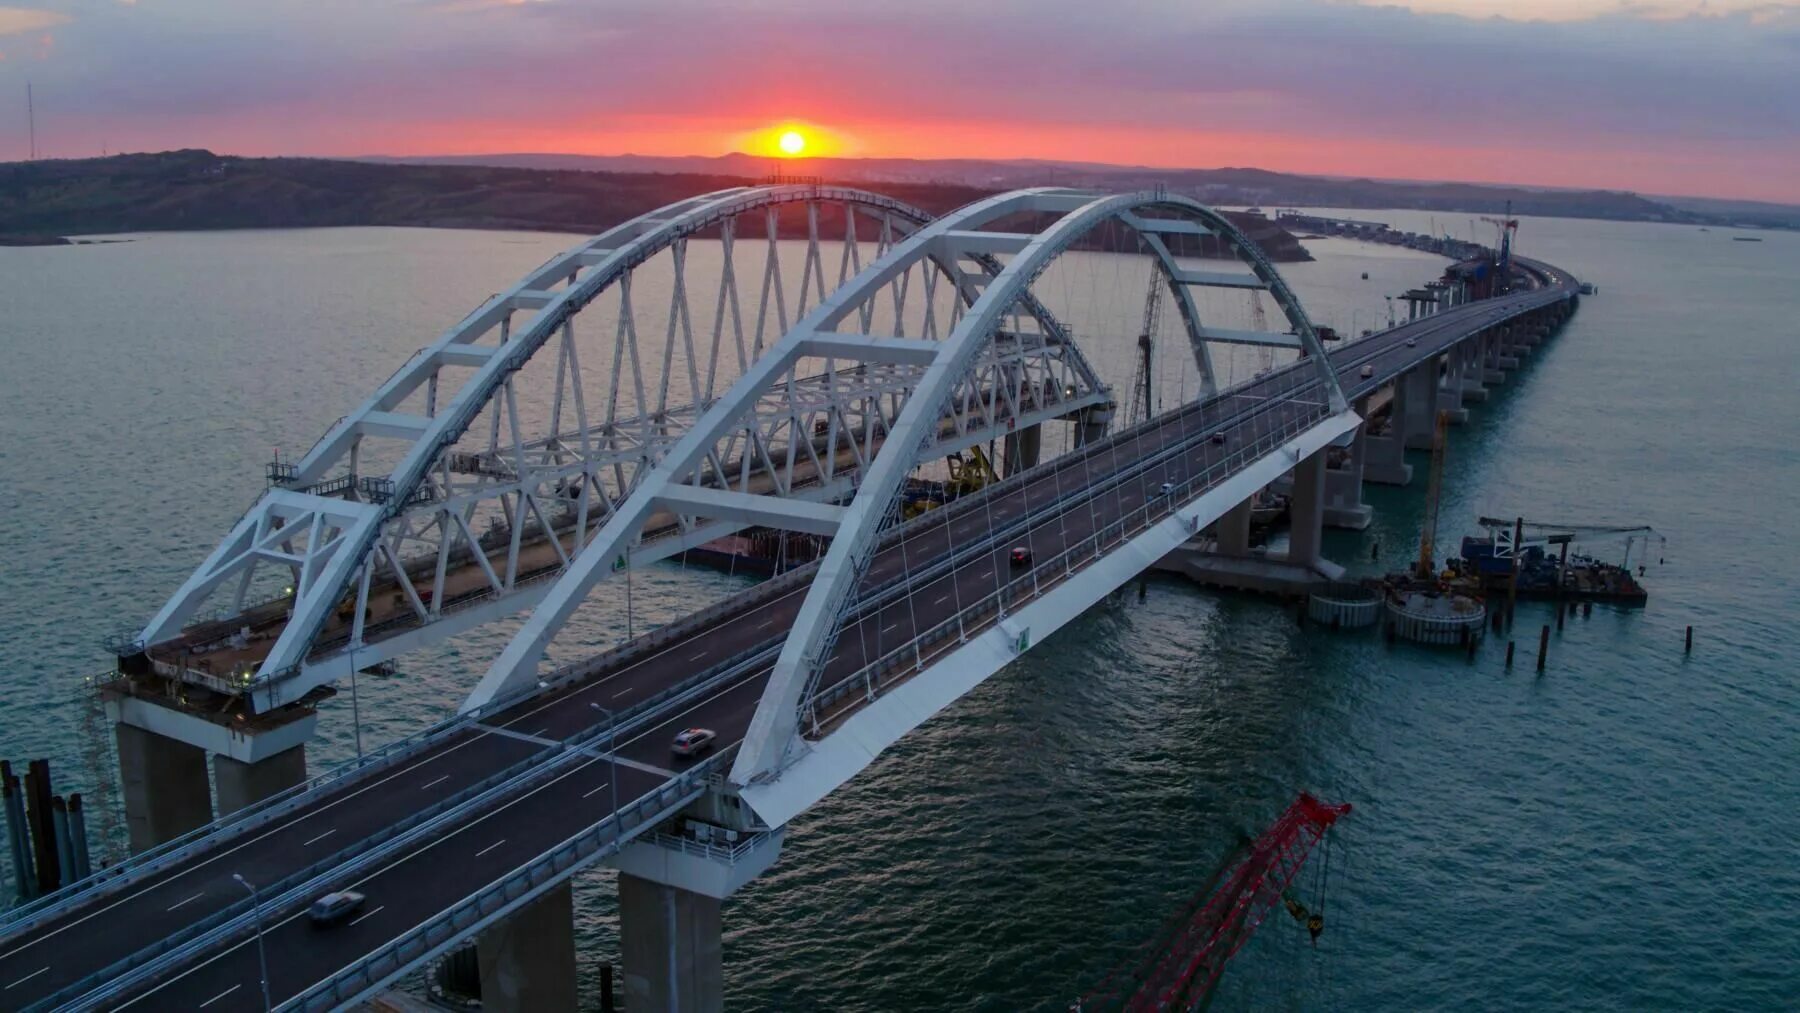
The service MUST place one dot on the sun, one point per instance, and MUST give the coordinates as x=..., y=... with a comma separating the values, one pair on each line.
x=792, y=142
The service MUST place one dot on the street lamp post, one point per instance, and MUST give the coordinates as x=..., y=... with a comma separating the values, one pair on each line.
x=612, y=760
x=262, y=958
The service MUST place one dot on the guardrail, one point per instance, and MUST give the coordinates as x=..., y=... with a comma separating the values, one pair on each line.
x=503, y=896
x=971, y=618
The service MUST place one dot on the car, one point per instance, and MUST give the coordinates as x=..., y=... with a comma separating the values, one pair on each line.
x=1168, y=488
x=1219, y=437
x=1020, y=556
x=1368, y=370
x=334, y=907
x=1412, y=342
x=693, y=741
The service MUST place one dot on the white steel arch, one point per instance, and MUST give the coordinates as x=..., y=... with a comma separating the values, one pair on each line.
x=327, y=523
x=947, y=363
x=775, y=730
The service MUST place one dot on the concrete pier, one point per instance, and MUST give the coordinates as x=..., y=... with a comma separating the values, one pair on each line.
x=166, y=794
x=243, y=784
x=1022, y=449
x=1344, y=507
x=671, y=946
x=527, y=961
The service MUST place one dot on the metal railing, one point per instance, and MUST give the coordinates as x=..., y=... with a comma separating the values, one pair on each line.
x=517, y=888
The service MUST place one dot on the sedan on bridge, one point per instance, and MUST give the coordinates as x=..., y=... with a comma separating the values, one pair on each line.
x=693, y=741
x=1019, y=556
x=334, y=907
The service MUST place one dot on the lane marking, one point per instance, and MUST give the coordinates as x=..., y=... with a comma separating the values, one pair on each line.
x=181, y=902
x=622, y=692
x=697, y=657
x=596, y=791
x=941, y=600
x=319, y=838
x=441, y=780
x=890, y=629
x=28, y=977
x=371, y=914
x=540, y=732
x=221, y=995
x=490, y=847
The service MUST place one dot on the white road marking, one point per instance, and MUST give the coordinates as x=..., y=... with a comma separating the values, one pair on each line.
x=30, y=976
x=178, y=903
x=622, y=692
x=697, y=657
x=319, y=838
x=890, y=629
x=371, y=914
x=221, y=995
x=941, y=599
x=490, y=847
x=539, y=733
x=986, y=574
x=596, y=791
x=435, y=783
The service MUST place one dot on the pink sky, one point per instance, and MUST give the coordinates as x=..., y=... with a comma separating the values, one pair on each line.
x=1666, y=96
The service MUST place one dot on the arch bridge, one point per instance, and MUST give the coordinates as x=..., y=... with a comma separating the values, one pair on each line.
x=592, y=436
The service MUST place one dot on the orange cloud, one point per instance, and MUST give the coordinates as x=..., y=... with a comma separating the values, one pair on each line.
x=20, y=20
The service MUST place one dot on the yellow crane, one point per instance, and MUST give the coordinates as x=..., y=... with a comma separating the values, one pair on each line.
x=1427, y=569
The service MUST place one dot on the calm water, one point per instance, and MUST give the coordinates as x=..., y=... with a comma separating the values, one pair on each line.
x=1618, y=834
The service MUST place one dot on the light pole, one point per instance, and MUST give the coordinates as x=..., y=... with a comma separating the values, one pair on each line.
x=612, y=760
x=262, y=958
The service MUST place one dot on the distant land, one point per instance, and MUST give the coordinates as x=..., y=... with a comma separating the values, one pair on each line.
x=195, y=189
x=1229, y=187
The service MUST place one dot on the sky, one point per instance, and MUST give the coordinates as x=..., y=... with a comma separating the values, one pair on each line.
x=1695, y=97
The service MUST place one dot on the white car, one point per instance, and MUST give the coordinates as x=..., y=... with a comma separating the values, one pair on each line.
x=1368, y=370
x=693, y=741
x=1168, y=488
x=1412, y=342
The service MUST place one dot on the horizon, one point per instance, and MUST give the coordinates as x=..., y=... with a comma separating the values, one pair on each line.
x=1651, y=97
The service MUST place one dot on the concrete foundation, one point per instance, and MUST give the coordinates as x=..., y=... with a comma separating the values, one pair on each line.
x=671, y=947
x=1232, y=531
x=1416, y=393
x=1306, y=511
x=166, y=794
x=527, y=962
x=1385, y=463
x=244, y=784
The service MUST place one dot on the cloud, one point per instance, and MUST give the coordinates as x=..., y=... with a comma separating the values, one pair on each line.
x=21, y=20
x=1588, y=10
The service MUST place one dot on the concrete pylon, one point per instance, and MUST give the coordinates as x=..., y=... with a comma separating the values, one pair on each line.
x=1344, y=507
x=671, y=946
x=1415, y=405
x=1306, y=511
x=527, y=961
x=166, y=794
x=1232, y=531
x=245, y=784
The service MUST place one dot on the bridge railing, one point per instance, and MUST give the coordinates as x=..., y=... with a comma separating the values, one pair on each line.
x=515, y=889
x=903, y=662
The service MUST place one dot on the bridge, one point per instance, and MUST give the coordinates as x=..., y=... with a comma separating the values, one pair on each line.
x=987, y=325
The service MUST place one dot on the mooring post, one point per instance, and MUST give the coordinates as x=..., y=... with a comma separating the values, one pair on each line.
x=1689, y=649
x=1509, y=654
x=1543, y=645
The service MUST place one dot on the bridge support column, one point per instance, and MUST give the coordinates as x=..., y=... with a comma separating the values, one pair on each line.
x=1450, y=388
x=1470, y=371
x=1232, y=531
x=244, y=784
x=527, y=962
x=1415, y=400
x=166, y=794
x=1022, y=448
x=672, y=946
x=1344, y=507
x=1306, y=511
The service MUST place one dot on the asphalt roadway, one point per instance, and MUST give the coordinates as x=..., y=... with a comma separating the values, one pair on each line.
x=424, y=879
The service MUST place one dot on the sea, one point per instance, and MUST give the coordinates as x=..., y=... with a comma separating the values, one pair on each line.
x=1619, y=832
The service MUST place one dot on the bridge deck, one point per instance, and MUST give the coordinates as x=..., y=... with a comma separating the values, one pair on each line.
x=419, y=882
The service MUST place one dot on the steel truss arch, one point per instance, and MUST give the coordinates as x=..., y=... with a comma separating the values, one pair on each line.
x=328, y=528
x=774, y=731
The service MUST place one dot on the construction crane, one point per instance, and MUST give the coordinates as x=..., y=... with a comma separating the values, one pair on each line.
x=1426, y=568
x=1140, y=383
x=1507, y=226
x=1181, y=967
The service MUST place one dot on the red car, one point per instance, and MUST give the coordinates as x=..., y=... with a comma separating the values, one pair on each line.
x=1020, y=556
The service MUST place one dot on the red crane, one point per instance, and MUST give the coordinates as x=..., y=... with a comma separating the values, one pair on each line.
x=1181, y=972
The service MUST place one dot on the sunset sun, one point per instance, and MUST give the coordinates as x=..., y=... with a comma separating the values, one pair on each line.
x=791, y=142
